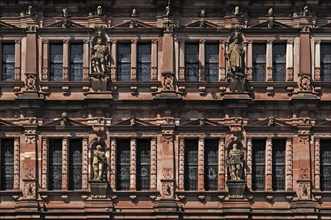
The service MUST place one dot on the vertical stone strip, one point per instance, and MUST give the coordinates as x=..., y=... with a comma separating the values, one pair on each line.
x=113, y=64
x=181, y=71
x=221, y=164
x=45, y=71
x=289, y=60
x=44, y=164
x=113, y=146
x=154, y=72
x=133, y=60
x=65, y=164
x=250, y=60
x=201, y=163
x=16, y=164
x=202, y=44
x=153, y=163
x=181, y=164
x=86, y=59
x=269, y=164
x=85, y=165
x=269, y=61
x=221, y=57
x=317, y=164
x=249, y=163
x=133, y=153
x=289, y=164
x=18, y=60
x=65, y=73
x=317, y=69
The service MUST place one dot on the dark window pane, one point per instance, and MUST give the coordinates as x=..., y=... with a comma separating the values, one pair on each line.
x=123, y=164
x=143, y=164
x=55, y=164
x=326, y=62
x=144, y=62
x=258, y=170
x=211, y=164
x=75, y=164
x=278, y=62
x=76, y=62
x=259, y=62
x=8, y=62
x=191, y=164
x=211, y=57
x=7, y=164
x=56, y=62
x=191, y=62
x=123, y=61
x=325, y=148
x=278, y=164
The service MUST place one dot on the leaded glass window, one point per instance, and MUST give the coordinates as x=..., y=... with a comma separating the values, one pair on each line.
x=143, y=164
x=123, y=61
x=211, y=57
x=144, y=62
x=55, y=164
x=56, y=62
x=123, y=164
x=192, y=62
x=76, y=62
x=325, y=154
x=259, y=62
x=325, y=61
x=211, y=164
x=278, y=61
x=258, y=169
x=7, y=164
x=75, y=164
x=191, y=164
x=278, y=164
x=8, y=62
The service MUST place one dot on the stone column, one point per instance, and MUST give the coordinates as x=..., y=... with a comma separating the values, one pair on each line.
x=45, y=71
x=153, y=183
x=154, y=72
x=65, y=164
x=317, y=69
x=289, y=164
x=133, y=76
x=16, y=185
x=181, y=70
x=168, y=52
x=250, y=60
x=85, y=165
x=66, y=57
x=317, y=164
x=113, y=146
x=86, y=59
x=181, y=169
x=133, y=153
x=202, y=75
x=113, y=64
x=18, y=60
x=221, y=164
x=268, y=164
x=201, y=163
x=44, y=164
x=31, y=60
x=289, y=60
x=269, y=61
x=249, y=163
x=305, y=62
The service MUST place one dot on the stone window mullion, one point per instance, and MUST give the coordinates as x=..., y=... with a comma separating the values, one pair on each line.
x=221, y=53
x=65, y=146
x=45, y=69
x=181, y=70
x=153, y=178
x=181, y=164
x=154, y=72
x=249, y=163
x=268, y=186
x=289, y=164
x=249, y=60
x=85, y=164
x=113, y=63
x=289, y=60
x=113, y=146
x=317, y=69
x=133, y=165
x=86, y=60
x=65, y=71
x=202, y=60
x=18, y=60
x=133, y=74
x=269, y=61
x=16, y=185
x=1, y=72
x=317, y=164
x=44, y=164
x=221, y=165
x=201, y=168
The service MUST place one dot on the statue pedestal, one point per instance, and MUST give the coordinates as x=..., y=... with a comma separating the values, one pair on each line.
x=99, y=82
x=99, y=189
x=236, y=188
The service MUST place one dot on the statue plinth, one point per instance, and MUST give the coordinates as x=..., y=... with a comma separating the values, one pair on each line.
x=236, y=188
x=99, y=82
x=99, y=189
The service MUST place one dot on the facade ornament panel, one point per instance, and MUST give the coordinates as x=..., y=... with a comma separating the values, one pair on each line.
x=317, y=74
x=30, y=81
x=44, y=74
x=85, y=164
x=65, y=163
x=30, y=136
x=290, y=74
x=133, y=154
x=113, y=146
x=269, y=164
x=201, y=162
x=181, y=164
x=17, y=73
x=249, y=163
x=44, y=164
x=304, y=83
x=168, y=81
x=221, y=152
x=16, y=184
x=289, y=164
x=317, y=171
x=29, y=191
x=153, y=164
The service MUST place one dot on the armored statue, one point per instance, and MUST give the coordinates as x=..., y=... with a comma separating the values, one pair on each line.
x=99, y=161
x=235, y=64
x=235, y=162
x=100, y=53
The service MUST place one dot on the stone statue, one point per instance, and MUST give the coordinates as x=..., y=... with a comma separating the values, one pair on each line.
x=306, y=11
x=202, y=13
x=29, y=11
x=235, y=162
x=65, y=12
x=236, y=11
x=235, y=64
x=134, y=13
x=99, y=10
x=99, y=160
x=271, y=18
x=100, y=54
x=64, y=119
x=167, y=11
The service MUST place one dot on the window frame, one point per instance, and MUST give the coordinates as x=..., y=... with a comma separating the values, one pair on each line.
x=50, y=62
x=2, y=63
x=120, y=63
x=139, y=62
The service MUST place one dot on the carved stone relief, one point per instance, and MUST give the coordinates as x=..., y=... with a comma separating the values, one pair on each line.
x=289, y=164
x=249, y=163
x=85, y=164
x=44, y=163
x=181, y=164
x=317, y=164
x=16, y=163
x=30, y=136
x=269, y=164
x=153, y=163
x=304, y=82
x=133, y=164
x=304, y=190
x=30, y=81
x=113, y=144
x=221, y=151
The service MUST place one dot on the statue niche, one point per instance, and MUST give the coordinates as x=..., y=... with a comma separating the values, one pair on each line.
x=235, y=55
x=99, y=62
x=99, y=163
x=235, y=162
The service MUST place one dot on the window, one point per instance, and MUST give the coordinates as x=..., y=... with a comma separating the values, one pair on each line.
x=258, y=170
x=7, y=164
x=278, y=62
x=76, y=62
x=55, y=164
x=75, y=164
x=211, y=164
x=123, y=61
x=211, y=62
x=192, y=62
x=191, y=164
x=143, y=164
x=56, y=62
x=144, y=62
x=259, y=62
x=123, y=164
x=278, y=164
x=325, y=61
x=8, y=62
x=325, y=148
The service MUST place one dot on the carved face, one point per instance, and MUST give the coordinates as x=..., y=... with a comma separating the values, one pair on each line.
x=98, y=147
